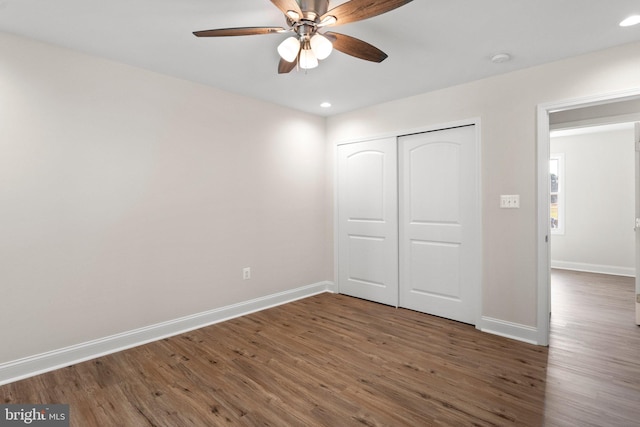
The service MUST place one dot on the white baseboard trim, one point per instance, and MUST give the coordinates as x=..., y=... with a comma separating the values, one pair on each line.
x=332, y=288
x=594, y=268
x=49, y=361
x=505, y=329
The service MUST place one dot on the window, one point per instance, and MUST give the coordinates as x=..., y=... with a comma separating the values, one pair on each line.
x=556, y=169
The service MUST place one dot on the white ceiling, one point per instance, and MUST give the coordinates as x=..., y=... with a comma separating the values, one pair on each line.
x=431, y=43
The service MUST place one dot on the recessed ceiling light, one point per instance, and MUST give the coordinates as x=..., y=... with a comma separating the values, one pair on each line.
x=632, y=20
x=499, y=58
x=325, y=105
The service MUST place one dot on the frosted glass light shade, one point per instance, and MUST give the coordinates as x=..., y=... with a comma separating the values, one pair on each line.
x=328, y=20
x=293, y=15
x=307, y=59
x=321, y=46
x=289, y=49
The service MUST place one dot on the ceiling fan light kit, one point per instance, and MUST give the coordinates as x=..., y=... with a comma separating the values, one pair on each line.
x=305, y=18
x=321, y=46
x=307, y=59
x=289, y=49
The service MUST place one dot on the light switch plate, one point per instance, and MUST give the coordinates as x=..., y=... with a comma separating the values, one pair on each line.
x=510, y=201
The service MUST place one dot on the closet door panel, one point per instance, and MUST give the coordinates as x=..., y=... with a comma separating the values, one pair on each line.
x=439, y=223
x=433, y=182
x=367, y=220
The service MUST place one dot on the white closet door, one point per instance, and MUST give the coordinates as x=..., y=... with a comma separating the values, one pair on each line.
x=439, y=224
x=368, y=220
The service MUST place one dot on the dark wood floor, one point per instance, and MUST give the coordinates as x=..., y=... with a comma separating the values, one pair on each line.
x=593, y=376
x=337, y=361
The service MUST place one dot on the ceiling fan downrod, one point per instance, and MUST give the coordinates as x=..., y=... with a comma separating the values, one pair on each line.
x=312, y=10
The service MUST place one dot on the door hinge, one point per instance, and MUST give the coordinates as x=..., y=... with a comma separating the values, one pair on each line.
x=546, y=238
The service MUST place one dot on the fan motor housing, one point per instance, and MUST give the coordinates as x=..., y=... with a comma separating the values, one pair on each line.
x=313, y=9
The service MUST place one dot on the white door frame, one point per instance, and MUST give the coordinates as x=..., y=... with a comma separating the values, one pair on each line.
x=637, y=216
x=543, y=225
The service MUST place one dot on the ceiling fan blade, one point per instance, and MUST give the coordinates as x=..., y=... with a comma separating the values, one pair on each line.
x=242, y=31
x=287, y=5
x=357, y=10
x=355, y=47
x=285, y=67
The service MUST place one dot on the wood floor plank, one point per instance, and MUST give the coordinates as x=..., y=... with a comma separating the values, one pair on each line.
x=593, y=376
x=333, y=360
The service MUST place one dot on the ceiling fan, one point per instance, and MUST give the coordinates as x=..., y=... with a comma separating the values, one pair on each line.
x=305, y=19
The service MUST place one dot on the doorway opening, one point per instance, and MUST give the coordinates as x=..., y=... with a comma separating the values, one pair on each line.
x=605, y=109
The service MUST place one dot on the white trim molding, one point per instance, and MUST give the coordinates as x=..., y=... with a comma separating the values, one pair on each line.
x=510, y=330
x=594, y=268
x=49, y=361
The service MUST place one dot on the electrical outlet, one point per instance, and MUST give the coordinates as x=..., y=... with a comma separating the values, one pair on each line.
x=246, y=273
x=510, y=201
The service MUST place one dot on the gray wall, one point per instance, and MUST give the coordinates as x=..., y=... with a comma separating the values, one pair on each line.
x=599, y=202
x=128, y=198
